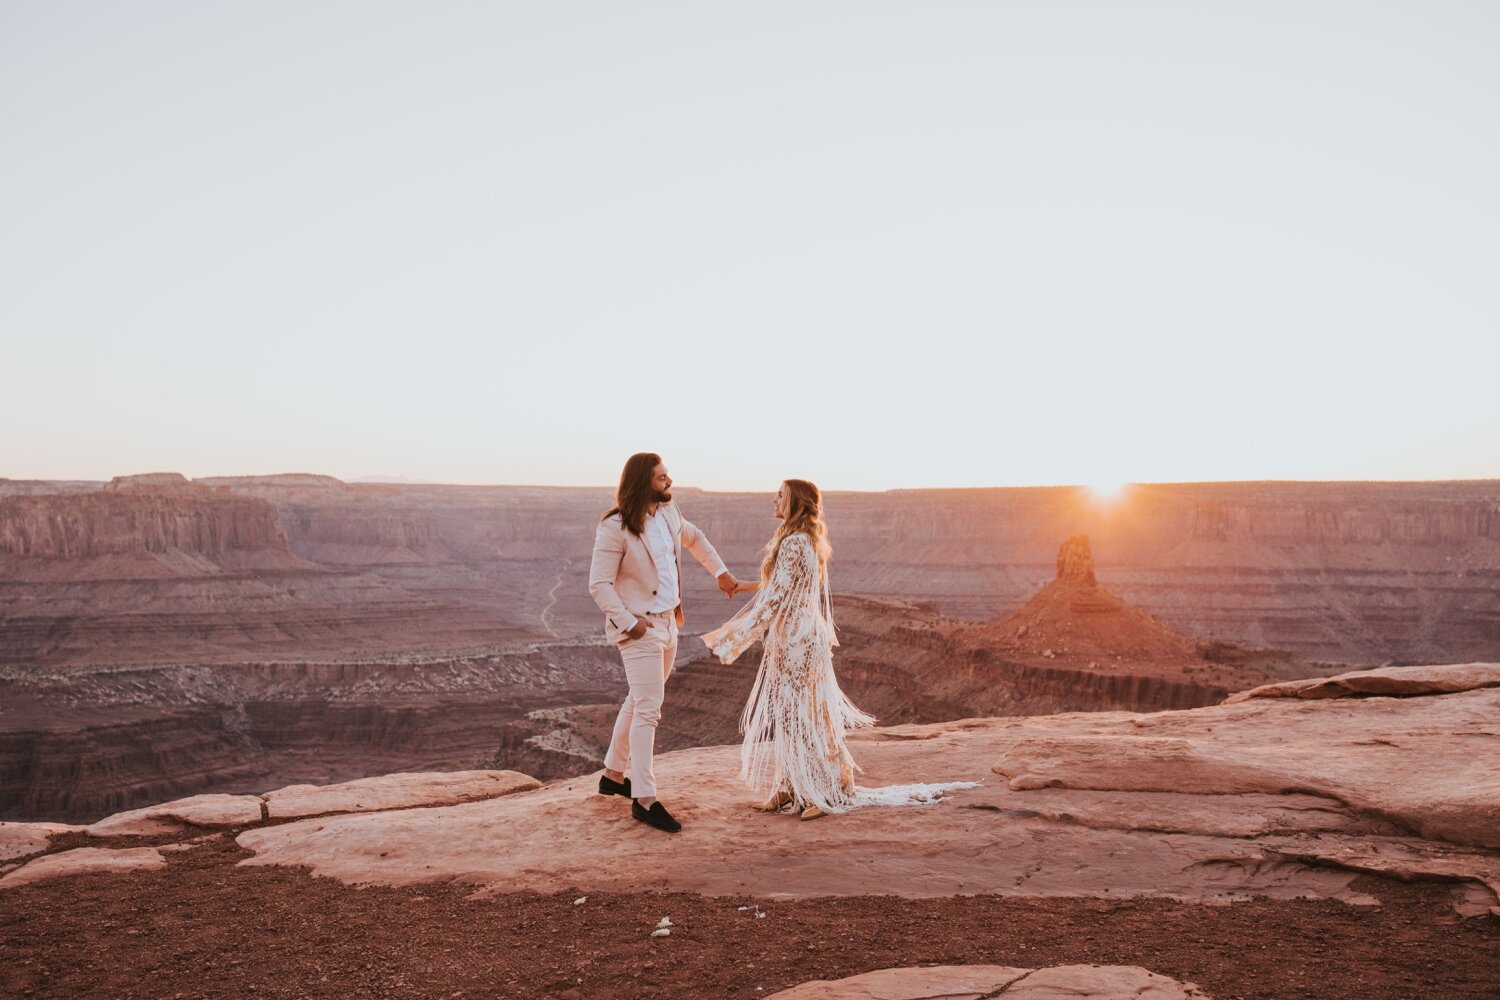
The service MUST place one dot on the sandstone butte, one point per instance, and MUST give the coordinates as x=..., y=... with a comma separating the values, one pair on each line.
x=1274, y=796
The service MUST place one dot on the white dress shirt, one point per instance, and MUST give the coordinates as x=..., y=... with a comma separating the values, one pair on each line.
x=664, y=553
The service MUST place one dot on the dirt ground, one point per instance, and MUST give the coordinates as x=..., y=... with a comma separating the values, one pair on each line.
x=204, y=928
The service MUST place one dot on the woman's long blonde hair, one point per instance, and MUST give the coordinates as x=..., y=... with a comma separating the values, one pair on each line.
x=804, y=512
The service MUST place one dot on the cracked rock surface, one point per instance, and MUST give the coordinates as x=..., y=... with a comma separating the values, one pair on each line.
x=983, y=982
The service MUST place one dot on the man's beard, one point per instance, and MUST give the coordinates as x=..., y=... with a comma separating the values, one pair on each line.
x=657, y=496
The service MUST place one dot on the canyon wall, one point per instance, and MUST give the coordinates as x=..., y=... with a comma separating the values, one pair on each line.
x=78, y=744
x=218, y=526
x=1344, y=572
x=1347, y=572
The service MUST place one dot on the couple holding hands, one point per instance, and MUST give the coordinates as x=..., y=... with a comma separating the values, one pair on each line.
x=794, y=752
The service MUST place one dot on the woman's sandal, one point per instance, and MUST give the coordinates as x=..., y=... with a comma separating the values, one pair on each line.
x=775, y=803
x=812, y=812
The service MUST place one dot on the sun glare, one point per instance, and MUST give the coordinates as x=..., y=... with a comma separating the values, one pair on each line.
x=1106, y=491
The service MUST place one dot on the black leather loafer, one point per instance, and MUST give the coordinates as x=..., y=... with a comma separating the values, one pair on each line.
x=608, y=786
x=656, y=816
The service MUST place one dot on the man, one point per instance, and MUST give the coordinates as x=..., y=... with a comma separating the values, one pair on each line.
x=636, y=579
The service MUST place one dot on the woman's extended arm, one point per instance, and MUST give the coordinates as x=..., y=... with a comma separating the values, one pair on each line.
x=789, y=578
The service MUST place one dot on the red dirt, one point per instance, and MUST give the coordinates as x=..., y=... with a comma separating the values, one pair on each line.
x=204, y=928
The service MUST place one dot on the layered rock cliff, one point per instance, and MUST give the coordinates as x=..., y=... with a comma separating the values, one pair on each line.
x=154, y=569
x=1344, y=572
x=227, y=530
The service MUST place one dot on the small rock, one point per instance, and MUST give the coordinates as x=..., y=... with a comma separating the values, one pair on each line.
x=661, y=932
x=665, y=922
x=580, y=900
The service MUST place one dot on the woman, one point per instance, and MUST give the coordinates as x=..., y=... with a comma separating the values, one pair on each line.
x=795, y=719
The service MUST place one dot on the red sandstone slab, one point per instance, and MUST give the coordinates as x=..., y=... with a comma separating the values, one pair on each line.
x=977, y=982
x=174, y=816
x=84, y=861
x=396, y=791
x=1429, y=764
x=20, y=839
x=1395, y=682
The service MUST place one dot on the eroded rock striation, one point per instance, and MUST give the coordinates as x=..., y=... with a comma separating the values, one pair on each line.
x=170, y=525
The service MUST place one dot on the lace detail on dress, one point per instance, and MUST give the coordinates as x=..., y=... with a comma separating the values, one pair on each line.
x=796, y=717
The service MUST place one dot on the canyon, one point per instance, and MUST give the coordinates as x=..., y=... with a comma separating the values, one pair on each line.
x=1354, y=573
x=160, y=636
x=1080, y=649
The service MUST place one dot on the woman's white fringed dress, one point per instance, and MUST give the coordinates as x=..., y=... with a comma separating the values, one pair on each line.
x=795, y=720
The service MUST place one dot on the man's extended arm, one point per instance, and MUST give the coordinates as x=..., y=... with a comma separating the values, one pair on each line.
x=697, y=543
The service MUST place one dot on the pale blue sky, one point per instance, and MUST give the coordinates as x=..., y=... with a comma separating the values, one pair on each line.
x=872, y=244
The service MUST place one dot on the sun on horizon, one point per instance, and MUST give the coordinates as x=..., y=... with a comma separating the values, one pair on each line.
x=1106, y=490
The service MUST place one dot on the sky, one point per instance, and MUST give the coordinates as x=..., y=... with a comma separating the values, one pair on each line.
x=871, y=244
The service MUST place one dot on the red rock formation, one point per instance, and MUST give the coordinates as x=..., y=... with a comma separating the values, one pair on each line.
x=225, y=529
x=1074, y=620
x=155, y=569
x=148, y=482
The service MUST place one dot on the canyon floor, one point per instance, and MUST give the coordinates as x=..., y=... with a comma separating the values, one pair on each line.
x=1331, y=837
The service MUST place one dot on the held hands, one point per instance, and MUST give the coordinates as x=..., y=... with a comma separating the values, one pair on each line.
x=733, y=587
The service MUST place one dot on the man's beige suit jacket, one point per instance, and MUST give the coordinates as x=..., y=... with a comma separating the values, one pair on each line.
x=622, y=575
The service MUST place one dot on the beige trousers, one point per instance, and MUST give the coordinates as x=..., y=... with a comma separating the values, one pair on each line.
x=648, y=663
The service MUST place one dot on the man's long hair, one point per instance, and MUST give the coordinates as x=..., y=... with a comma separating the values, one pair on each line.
x=804, y=512
x=635, y=494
